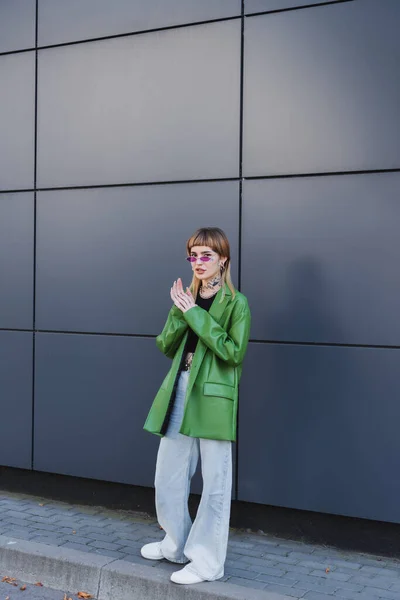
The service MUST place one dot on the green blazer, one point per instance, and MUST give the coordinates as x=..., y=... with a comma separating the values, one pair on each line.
x=212, y=393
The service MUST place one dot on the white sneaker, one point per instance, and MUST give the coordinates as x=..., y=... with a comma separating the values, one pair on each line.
x=152, y=551
x=186, y=577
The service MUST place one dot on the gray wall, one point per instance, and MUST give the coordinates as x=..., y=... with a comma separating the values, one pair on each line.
x=127, y=125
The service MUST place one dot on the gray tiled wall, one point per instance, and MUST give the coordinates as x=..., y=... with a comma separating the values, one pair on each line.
x=122, y=131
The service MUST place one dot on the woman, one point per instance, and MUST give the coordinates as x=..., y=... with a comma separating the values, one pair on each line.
x=206, y=335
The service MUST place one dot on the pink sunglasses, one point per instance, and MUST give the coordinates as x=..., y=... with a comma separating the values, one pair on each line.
x=193, y=259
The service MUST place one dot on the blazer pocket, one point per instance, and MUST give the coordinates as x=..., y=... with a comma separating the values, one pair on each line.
x=219, y=389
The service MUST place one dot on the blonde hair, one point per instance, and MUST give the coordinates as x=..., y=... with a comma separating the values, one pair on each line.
x=216, y=239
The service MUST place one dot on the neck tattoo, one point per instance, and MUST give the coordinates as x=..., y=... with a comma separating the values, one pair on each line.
x=212, y=283
x=211, y=288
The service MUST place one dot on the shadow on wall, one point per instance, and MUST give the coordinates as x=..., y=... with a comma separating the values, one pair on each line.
x=324, y=415
x=304, y=311
x=306, y=391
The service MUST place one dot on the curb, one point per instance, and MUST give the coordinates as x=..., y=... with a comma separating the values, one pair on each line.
x=107, y=578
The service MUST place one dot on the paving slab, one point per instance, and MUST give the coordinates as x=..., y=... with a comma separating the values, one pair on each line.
x=102, y=540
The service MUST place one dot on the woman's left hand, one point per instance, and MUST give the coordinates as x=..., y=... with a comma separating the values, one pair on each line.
x=182, y=300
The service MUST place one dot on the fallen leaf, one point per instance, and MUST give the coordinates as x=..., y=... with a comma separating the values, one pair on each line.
x=39, y=584
x=327, y=570
x=84, y=595
x=11, y=580
x=23, y=587
x=14, y=584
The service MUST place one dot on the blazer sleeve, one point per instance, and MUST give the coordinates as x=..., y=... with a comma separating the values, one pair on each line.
x=171, y=336
x=230, y=345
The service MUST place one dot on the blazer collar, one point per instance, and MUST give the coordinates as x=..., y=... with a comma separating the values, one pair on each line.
x=217, y=307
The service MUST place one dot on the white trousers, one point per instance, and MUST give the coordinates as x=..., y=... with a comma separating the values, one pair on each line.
x=203, y=543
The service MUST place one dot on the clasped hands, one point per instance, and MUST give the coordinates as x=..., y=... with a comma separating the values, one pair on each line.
x=182, y=300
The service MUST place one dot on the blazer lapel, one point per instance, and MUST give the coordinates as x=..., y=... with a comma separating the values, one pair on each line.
x=218, y=307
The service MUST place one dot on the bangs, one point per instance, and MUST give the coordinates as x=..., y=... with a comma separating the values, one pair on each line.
x=201, y=238
x=213, y=237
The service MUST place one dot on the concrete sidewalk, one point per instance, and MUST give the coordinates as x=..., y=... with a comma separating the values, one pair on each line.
x=78, y=547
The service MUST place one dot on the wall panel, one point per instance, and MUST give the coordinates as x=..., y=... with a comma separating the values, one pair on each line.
x=106, y=258
x=321, y=92
x=61, y=21
x=319, y=429
x=157, y=107
x=92, y=395
x=16, y=260
x=16, y=399
x=17, y=109
x=320, y=258
x=17, y=24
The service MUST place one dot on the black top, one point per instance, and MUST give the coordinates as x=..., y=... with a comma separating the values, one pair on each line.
x=192, y=338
